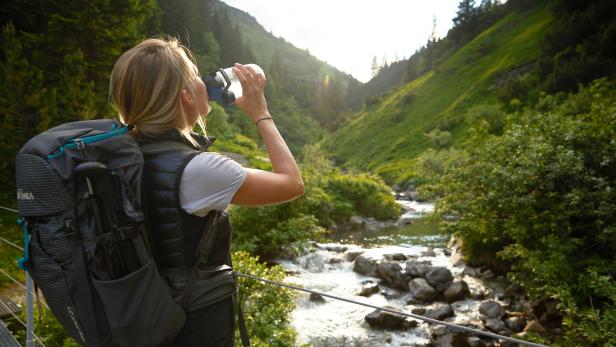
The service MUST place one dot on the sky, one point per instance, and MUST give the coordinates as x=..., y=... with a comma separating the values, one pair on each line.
x=348, y=34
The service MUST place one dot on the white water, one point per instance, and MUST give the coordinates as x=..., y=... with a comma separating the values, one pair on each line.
x=338, y=323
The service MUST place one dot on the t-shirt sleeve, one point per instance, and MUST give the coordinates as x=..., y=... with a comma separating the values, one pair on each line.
x=209, y=182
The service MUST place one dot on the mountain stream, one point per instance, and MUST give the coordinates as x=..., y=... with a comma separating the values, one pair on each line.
x=329, y=268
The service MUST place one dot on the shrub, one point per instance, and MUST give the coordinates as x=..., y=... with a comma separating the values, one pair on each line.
x=541, y=198
x=267, y=308
x=439, y=138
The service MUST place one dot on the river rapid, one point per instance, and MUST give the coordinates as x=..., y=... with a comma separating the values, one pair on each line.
x=329, y=268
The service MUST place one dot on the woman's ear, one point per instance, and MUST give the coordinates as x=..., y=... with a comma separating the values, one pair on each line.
x=186, y=98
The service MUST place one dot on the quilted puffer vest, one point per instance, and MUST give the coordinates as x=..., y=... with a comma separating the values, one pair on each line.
x=176, y=234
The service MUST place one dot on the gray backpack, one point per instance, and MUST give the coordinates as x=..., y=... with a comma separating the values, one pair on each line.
x=87, y=247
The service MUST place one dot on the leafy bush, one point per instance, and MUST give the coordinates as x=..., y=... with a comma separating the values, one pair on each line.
x=266, y=307
x=367, y=194
x=439, y=138
x=47, y=329
x=541, y=198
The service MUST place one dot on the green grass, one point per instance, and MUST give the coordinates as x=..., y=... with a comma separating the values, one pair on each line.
x=8, y=254
x=387, y=137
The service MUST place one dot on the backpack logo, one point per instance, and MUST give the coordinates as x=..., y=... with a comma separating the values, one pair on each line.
x=21, y=195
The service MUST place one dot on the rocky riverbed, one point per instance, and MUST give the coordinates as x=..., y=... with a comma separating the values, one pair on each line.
x=430, y=281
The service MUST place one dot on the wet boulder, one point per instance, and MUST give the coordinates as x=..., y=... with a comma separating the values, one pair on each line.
x=391, y=273
x=491, y=309
x=440, y=278
x=318, y=298
x=353, y=254
x=416, y=268
x=395, y=256
x=369, y=289
x=387, y=320
x=332, y=247
x=458, y=290
x=516, y=323
x=365, y=265
x=422, y=290
x=496, y=325
x=440, y=311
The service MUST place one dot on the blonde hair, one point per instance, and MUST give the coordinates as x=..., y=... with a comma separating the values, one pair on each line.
x=146, y=83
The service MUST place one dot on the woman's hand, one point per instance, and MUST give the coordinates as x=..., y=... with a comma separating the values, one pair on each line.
x=264, y=187
x=252, y=101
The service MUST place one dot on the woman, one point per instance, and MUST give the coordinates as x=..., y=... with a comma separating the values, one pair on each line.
x=158, y=92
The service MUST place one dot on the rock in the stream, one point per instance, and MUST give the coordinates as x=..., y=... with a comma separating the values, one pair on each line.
x=419, y=310
x=391, y=273
x=365, y=265
x=369, y=289
x=394, y=256
x=440, y=311
x=458, y=290
x=496, y=325
x=428, y=253
x=491, y=309
x=404, y=220
x=352, y=255
x=416, y=268
x=452, y=339
x=335, y=260
x=422, y=290
x=385, y=320
x=439, y=277
x=317, y=298
x=456, y=259
x=515, y=324
x=332, y=247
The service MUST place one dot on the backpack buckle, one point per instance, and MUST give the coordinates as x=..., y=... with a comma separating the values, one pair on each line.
x=80, y=144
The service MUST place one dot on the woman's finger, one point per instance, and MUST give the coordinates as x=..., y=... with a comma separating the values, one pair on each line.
x=240, y=76
x=249, y=76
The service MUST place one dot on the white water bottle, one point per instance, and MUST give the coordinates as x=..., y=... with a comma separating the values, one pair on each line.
x=236, y=86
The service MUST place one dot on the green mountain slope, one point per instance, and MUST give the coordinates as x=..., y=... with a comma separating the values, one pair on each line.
x=389, y=135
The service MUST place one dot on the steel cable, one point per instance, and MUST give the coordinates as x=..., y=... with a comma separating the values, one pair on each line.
x=21, y=322
x=411, y=315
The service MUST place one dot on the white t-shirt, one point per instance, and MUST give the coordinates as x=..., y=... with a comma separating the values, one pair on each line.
x=209, y=182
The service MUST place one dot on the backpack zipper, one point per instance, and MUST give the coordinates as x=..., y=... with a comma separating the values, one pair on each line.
x=81, y=142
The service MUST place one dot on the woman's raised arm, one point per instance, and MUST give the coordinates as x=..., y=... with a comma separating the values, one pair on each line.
x=263, y=187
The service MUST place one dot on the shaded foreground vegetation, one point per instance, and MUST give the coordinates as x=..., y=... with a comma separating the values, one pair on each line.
x=540, y=201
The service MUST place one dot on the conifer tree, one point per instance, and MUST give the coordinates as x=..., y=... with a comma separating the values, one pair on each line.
x=466, y=11
x=26, y=105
